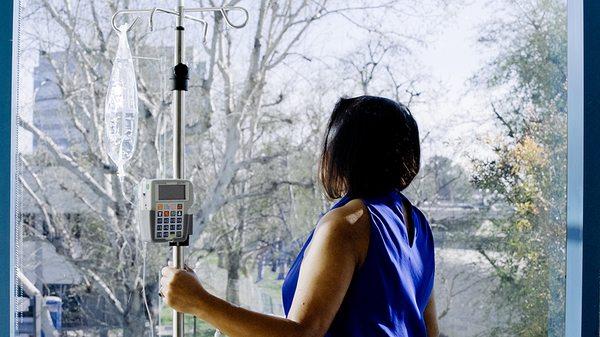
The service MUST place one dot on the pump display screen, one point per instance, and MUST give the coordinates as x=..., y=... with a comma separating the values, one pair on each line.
x=171, y=192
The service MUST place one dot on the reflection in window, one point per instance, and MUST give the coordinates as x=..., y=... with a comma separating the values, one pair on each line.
x=486, y=82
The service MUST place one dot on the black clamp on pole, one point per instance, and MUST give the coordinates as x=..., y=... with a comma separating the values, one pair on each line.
x=180, y=244
x=180, y=77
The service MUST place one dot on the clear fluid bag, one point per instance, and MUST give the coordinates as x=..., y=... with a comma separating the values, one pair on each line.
x=121, y=106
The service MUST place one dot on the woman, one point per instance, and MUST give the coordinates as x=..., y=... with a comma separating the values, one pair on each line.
x=368, y=267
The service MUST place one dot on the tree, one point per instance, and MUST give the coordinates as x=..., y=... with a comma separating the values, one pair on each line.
x=441, y=180
x=528, y=78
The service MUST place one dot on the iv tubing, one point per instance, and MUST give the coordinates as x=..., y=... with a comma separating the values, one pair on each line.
x=144, y=257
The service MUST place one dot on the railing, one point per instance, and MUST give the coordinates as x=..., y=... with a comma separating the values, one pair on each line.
x=33, y=293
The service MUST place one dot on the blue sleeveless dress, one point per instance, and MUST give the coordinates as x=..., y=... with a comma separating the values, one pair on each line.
x=389, y=292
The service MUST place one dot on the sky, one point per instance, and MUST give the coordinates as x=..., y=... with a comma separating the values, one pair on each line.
x=455, y=115
x=452, y=58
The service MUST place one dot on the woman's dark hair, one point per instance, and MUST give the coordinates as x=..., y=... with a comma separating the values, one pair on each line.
x=371, y=147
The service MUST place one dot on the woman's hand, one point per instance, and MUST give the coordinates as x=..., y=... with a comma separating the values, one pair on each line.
x=182, y=290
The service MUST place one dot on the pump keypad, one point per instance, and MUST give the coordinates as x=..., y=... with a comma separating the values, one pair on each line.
x=169, y=221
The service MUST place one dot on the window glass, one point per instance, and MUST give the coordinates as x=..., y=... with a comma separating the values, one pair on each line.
x=486, y=82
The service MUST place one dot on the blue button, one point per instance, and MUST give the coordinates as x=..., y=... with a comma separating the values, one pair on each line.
x=178, y=220
x=178, y=226
x=159, y=213
x=172, y=220
x=158, y=227
x=158, y=235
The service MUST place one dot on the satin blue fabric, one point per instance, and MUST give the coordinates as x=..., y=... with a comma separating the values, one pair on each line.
x=389, y=292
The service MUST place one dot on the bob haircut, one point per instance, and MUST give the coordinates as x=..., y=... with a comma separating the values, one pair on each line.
x=371, y=147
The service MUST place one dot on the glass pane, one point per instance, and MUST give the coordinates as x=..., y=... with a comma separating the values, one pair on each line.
x=486, y=82
x=499, y=198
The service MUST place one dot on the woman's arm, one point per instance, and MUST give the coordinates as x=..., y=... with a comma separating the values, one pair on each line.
x=431, y=321
x=337, y=248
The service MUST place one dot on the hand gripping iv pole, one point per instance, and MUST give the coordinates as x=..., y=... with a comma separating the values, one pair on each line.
x=179, y=86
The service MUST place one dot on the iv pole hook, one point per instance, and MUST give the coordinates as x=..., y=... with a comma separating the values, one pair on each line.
x=224, y=11
x=128, y=28
x=157, y=9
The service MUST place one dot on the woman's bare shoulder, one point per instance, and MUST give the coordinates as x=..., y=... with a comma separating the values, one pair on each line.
x=350, y=223
x=352, y=213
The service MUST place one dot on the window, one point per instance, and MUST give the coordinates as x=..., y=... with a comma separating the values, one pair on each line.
x=486, y=82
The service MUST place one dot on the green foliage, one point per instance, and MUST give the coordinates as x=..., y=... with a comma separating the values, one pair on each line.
x=441, y=180
x=527, y=77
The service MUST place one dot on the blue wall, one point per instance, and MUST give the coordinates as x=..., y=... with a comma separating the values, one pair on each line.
x=6, y=272
x=591, y=165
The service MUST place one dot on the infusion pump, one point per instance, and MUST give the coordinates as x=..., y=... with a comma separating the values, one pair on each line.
x=164, y=210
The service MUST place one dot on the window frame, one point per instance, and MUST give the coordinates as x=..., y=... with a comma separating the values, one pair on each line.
x=583, y=185
x=7, y=162
x=583, y=182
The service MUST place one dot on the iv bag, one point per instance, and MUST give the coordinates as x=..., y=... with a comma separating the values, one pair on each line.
x=121, y=106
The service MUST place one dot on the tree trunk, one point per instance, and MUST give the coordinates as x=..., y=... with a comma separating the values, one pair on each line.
x=135, y=326
x=233, y=277
x=134, y=322
x=220, y=262
x=281, y=268
x=259, y=269
x=232, y=291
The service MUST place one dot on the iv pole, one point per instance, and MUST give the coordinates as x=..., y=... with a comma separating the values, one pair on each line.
x=179, y=86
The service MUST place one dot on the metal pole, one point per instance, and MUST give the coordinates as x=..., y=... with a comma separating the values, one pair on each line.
x=180, y=85
x=178, y=145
